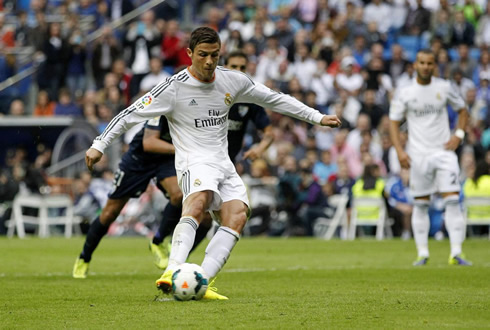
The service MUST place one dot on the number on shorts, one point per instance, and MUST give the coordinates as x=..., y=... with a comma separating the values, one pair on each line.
x=118, y=176
x=454, y=178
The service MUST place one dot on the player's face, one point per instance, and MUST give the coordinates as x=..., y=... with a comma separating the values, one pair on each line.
x=237, y=63
x=204, y=60
x=424, y=65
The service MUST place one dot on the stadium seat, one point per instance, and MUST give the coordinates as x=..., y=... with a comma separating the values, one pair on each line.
x=45, y=216
x=325, y=228
x=369, y=211
x=409, y=43
x=477, y=211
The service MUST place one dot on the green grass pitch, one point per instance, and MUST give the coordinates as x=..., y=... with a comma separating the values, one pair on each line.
x=294, y=283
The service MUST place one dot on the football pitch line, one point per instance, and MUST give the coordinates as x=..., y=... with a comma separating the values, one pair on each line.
x=233, y=270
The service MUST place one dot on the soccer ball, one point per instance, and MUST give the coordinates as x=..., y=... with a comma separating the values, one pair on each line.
x=189, y=282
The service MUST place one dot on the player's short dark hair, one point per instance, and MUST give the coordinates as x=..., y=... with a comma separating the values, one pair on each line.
x=203, y=35
x=427, y=51
x=236, y=53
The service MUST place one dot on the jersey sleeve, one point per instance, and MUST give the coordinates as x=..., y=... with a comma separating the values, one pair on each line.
x=260, y=118
x=153, y=123
x=158, y=102
x=455, y=99
x=254, y=92
x=398, y=109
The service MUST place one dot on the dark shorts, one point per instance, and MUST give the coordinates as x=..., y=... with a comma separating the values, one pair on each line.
x=132, y=183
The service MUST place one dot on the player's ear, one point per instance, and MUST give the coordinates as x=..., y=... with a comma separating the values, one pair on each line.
x=189, y=52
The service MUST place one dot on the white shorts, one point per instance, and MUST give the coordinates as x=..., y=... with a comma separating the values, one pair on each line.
x=225, y=183
x=437, y=172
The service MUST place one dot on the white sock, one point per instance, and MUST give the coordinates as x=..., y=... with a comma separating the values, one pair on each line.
x=455, y=224
x=421, y=226
x=219, y=250
x=182, y=241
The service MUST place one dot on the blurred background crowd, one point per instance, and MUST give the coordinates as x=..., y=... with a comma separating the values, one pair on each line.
x=87, y=62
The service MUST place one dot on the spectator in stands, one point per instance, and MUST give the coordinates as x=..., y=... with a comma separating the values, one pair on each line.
x=401, y=201
x=105, y=53
x=443, y=64
x=7, y=34
x=378, y=12
x=483, y=30
x=442, y=27
x=119, y=8
x=406, y=77
x=472, y=11
x=461, y=83
x=478, y=185
x=269, y=61
x=465, y=63
x=154, y=77
x=349, y=80
x=477, y=108
x=342, y=149
x=304, y=66
x=418, y=20
x=76, y=75
x=142, y=40
x=483, y=66
x=324, y=168
x=52, y=72
x=17, y=108
x=370, y=108
x=463, y=32
x=44, y=105
x=171, y=43
x=65, y=105
x=396, y=65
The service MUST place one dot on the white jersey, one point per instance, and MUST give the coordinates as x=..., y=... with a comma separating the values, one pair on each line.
x=197, y=114
x=425, y=107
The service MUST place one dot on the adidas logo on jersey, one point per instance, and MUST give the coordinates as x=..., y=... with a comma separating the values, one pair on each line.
x=193, y=102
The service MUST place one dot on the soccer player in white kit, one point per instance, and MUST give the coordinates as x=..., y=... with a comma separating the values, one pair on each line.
x=196, y=102
x=430, y=155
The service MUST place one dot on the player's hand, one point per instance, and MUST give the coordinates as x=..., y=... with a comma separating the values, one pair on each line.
x=253, y=153
x=92, y=157
x=404, y=159
x=331, y=121
x=453, y=143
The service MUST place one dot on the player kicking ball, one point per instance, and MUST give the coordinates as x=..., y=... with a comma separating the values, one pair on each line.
x=196, y=102
x=430, y=156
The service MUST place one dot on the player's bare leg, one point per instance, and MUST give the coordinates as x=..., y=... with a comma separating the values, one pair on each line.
x=97, y=230
x=171, y=216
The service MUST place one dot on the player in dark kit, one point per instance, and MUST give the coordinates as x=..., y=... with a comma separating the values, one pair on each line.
x=150, y=155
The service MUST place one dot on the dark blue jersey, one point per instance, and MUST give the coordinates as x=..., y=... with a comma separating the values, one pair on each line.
x=238, y=118
x=136, y=151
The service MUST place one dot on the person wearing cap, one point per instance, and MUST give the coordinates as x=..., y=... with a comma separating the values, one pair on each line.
x=349, y=80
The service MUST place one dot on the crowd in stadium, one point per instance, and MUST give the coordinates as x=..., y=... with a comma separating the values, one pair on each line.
x=343, y=57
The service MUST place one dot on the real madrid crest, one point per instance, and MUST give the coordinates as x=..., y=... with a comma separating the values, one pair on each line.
x=228, y=99
x=197, y=183
x=438, y=96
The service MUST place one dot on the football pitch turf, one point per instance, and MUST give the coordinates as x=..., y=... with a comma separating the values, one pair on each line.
x=290, y=283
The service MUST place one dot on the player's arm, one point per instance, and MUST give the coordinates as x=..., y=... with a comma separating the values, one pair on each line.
x=459, y=133
x=397, y=113
x=457, y=102
x=257, y=151
x=153, y=143
x=149, y=106
x=253, y=92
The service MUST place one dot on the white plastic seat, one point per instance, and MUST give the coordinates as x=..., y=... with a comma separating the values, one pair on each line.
x=477, y=211
x=325, y=228
x=359, y=219
x=43, y=219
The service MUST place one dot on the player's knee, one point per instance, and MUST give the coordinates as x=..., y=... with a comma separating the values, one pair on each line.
x=108, y=216
x=176, y=198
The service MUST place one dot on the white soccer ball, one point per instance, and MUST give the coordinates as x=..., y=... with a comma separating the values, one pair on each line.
x=189, y=282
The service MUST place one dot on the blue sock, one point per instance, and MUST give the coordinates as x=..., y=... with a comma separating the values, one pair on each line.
x=171, y=217
x=95, y=233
